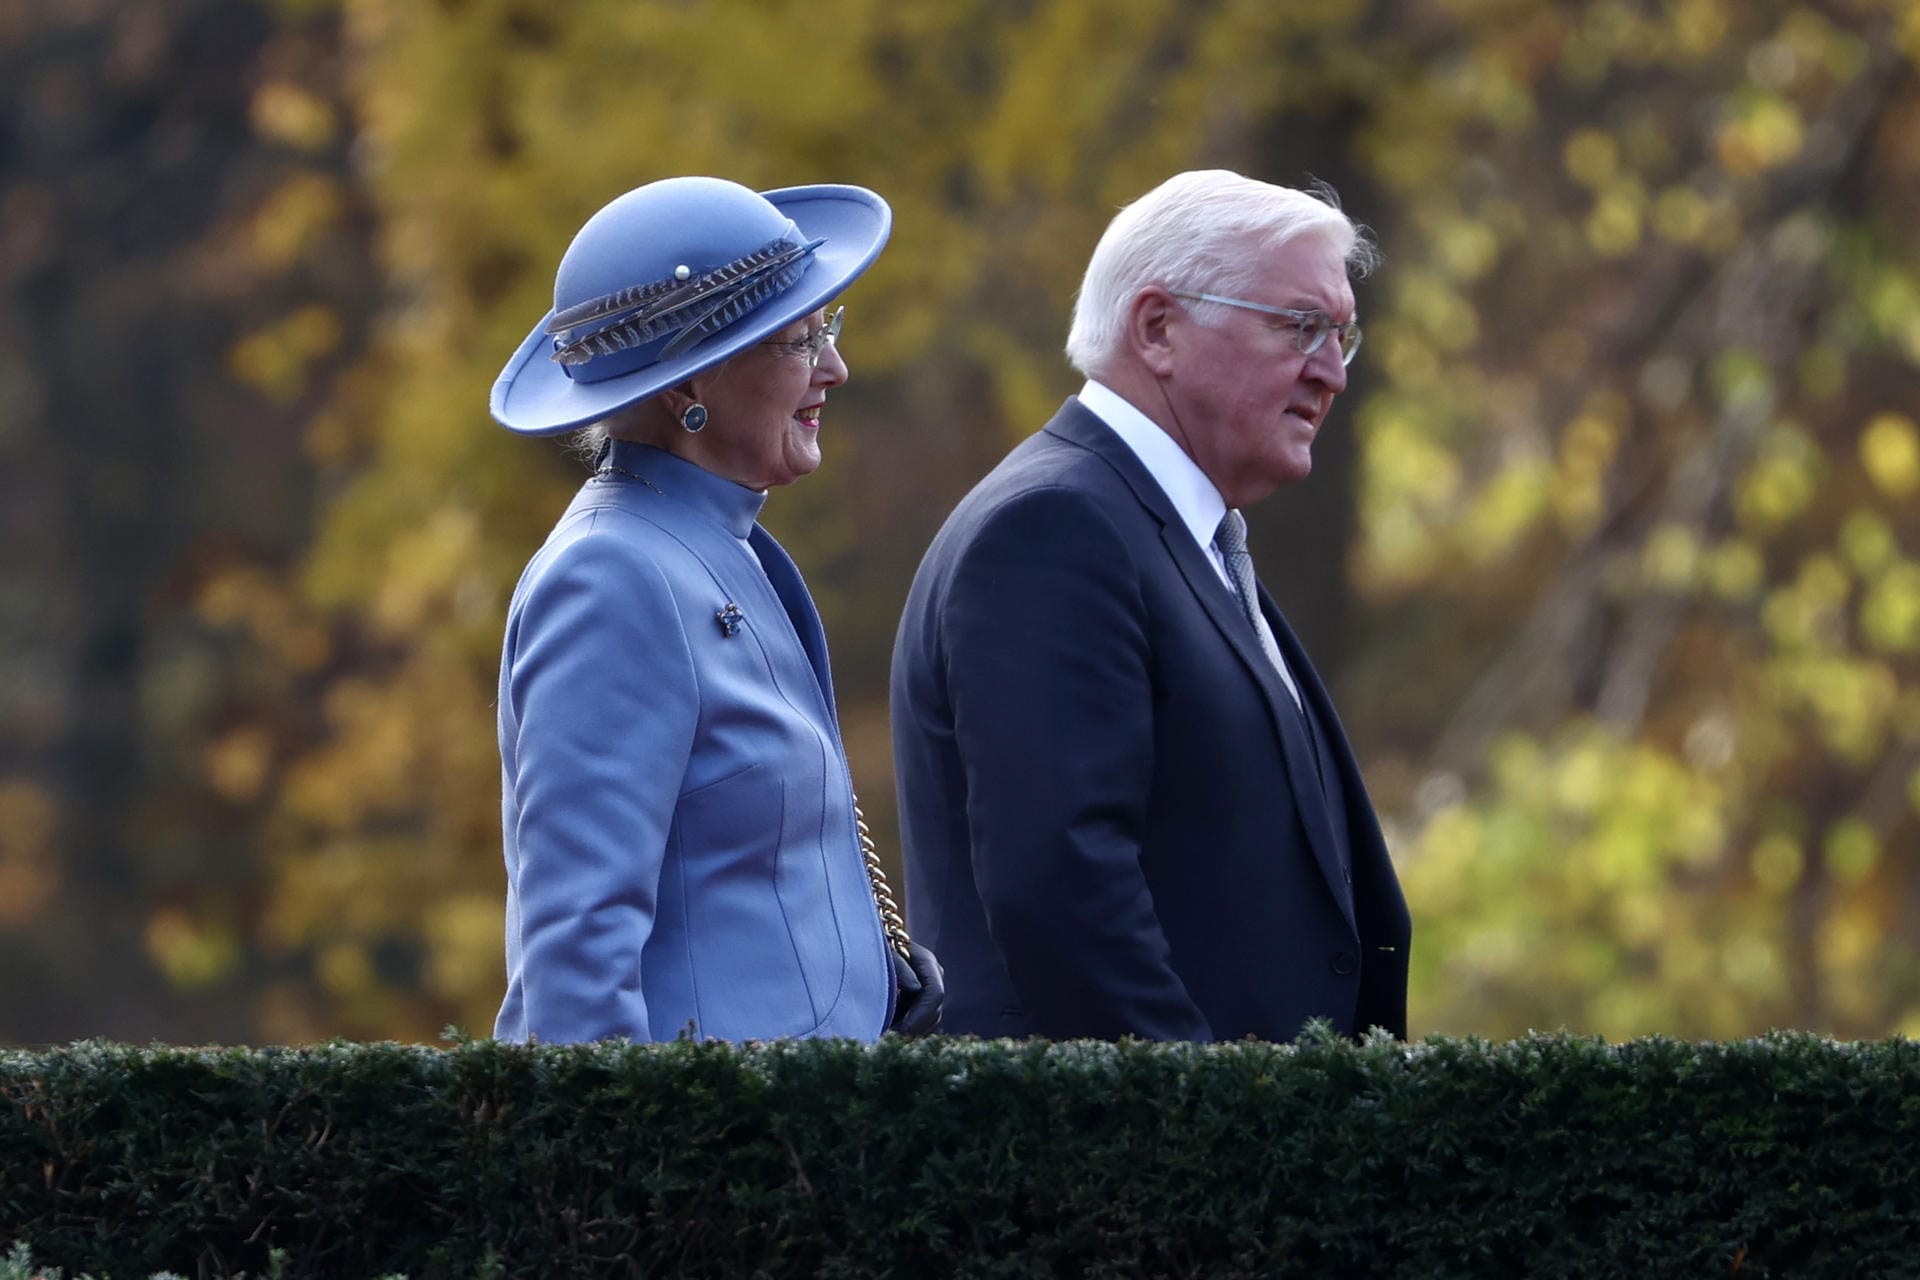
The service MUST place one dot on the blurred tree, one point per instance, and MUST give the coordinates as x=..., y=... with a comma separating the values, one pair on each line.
x=180, y=271
x=1634, y=537
x=1637, y=507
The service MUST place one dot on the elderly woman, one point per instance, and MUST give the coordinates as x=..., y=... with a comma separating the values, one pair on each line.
x=683, y=852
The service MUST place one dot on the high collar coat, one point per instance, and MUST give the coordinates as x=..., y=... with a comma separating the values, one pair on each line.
x=676, y=807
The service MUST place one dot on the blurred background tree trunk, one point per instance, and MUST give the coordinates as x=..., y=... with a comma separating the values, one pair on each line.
x=142, y=445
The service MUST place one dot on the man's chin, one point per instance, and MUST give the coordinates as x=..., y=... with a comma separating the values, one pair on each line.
x=1296, y=466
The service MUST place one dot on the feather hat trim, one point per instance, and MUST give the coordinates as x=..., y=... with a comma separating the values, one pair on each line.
x=689, y=309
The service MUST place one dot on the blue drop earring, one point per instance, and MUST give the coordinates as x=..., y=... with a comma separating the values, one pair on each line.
x=695, y=417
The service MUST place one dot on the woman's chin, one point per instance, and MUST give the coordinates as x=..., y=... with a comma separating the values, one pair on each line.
x=803, y=456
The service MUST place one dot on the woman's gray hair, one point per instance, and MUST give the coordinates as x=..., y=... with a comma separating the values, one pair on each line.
x=588, y=442
x=1194, y=232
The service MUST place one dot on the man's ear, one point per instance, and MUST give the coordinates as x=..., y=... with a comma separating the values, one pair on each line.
x=1151, y=329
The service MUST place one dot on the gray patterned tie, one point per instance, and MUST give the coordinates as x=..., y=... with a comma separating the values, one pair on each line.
x=1231, y=537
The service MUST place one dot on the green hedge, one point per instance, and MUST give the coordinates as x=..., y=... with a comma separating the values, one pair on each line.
x=1789, y=1155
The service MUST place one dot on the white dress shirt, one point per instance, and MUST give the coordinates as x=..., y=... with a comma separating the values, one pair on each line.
x=1195, y=500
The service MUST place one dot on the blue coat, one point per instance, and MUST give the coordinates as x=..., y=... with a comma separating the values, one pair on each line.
x=1116, y=821
x=676, y=806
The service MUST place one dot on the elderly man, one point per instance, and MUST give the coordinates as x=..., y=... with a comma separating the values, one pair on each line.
x=1128, y=807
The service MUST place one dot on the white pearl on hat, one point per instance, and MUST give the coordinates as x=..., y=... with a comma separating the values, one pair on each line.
x=682, y=271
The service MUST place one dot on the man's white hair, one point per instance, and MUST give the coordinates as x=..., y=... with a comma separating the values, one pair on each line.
x=1204, y=232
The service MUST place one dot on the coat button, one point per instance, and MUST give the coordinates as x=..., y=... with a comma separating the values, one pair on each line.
x=1343, y=963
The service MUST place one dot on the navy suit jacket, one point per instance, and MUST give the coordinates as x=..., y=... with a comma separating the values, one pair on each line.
x=1116, y=820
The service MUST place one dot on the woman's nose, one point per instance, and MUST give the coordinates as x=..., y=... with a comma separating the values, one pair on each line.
x=832, y=369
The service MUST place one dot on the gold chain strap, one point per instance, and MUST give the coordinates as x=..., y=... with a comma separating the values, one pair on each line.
x=890, y=922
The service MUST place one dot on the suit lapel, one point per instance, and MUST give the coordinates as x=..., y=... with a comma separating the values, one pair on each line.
x=1080, y=425
x=784, y=577
x=1313, y=695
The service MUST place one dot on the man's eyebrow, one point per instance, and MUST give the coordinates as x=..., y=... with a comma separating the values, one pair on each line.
x=1309, y=304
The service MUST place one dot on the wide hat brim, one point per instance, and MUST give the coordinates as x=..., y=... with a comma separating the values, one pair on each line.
x=533, y=395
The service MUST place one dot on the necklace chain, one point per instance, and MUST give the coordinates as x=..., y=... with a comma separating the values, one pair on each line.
x=608, y=467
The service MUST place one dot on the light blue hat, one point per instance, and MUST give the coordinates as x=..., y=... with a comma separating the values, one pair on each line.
x=675, y=277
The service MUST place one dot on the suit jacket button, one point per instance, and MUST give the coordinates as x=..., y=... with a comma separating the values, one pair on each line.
x=1343, y=963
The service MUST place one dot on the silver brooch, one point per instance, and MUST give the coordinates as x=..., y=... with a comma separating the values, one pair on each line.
x=730, y=618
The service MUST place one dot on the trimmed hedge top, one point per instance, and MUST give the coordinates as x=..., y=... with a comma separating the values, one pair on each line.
x=1788, y=1155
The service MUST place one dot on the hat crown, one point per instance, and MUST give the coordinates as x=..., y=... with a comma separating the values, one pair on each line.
x=645, y=235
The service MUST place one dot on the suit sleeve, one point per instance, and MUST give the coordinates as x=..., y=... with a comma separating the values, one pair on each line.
x=603, y=685
x=1044, y=633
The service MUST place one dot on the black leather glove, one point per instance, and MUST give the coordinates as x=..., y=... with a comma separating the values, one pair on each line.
x=923, y=989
